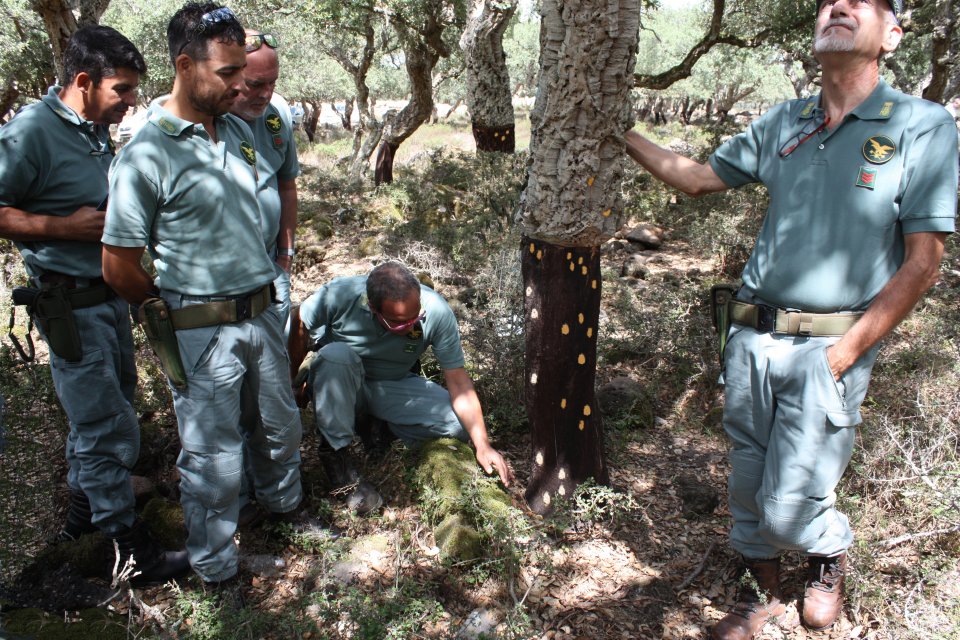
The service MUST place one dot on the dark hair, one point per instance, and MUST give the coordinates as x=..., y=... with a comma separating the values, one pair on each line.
x=390, y=281
x=187, y=33
x=99, y=51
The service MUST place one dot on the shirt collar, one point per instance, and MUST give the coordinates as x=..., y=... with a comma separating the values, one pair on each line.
x=170, y=124
x=52, y=100
x=879, y=105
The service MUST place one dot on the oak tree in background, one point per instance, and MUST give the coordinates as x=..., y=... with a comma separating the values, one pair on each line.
x=26, y=68
x=489, y=96
x=572, y=204
x=60, y=22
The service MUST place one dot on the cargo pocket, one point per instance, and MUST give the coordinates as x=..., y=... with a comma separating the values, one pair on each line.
x=86, y=389
x=840, y=411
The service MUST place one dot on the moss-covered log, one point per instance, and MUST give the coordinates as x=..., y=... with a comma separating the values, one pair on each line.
x=459, y=499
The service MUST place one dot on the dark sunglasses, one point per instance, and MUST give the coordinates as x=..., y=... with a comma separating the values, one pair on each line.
x=791, y=145
x=211, y=18
x=401, y=327
x=257, y=40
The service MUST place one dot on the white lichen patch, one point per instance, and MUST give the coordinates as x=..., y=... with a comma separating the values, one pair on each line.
x=539, y=458
x=533, y=378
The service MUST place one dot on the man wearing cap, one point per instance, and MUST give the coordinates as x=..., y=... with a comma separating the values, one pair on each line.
x=370, y=331
x=54, y=157
x=186, y=187
x=852, y=238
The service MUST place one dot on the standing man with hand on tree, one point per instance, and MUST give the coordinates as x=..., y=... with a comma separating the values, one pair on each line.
x=186, y=187
x=54, y=157
x=863, y=192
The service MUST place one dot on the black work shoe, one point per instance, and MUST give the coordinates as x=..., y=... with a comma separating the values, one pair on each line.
x=152, y=565
x=228, y=593
x=79, y=519
x=375, y=435
x=345, y=481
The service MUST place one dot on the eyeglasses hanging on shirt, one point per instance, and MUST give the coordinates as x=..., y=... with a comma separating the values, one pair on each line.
x=805, y=134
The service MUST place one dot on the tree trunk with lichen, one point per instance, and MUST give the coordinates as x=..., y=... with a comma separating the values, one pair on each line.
x=488, y=81
x=572, y=204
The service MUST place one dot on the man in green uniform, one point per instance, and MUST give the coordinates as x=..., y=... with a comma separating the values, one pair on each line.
x=54, y=157
x=852, y=239
x=185, y=187
x=370, y=330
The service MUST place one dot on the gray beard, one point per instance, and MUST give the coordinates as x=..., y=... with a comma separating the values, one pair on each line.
x=832, y=44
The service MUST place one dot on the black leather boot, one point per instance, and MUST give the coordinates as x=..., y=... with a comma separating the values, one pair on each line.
x=79, y=518
x=153, y=564
x=362, y=497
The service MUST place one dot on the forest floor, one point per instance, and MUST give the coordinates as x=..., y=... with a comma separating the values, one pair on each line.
x=647, y=558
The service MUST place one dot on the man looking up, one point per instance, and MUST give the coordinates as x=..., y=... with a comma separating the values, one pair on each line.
x=370, y=330
x=186, y=188
x=54, y=157
x=863, y=192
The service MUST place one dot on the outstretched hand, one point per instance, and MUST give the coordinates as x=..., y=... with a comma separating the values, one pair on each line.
x=490, y=459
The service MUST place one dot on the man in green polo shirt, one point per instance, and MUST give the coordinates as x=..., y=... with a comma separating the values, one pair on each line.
x=54, y=157
x=852, y=239
x=370, y=330
x=186, y=188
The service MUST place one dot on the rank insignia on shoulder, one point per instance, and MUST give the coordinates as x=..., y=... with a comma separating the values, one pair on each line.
x=879, y=149
x=248, y=153
x=808, y=109
x=274, y=123
x=886, y=110
x=166, y=125
x=867, y=178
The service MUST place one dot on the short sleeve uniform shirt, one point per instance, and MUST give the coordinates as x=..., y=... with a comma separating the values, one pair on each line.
x=338, y=312
x=192, y=203
x=52, y=162
x=842, y=199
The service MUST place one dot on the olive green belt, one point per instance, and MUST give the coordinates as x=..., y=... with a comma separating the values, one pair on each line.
x=794, y=323
x=232, y=309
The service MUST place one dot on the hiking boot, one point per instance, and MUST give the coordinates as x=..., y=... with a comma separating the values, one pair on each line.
x=758, y=601
x=228, y=593
x=153, y=564
x=362, y=497
x=79, y=519
x=375, y=435
x=823, y=595
x=250, y=515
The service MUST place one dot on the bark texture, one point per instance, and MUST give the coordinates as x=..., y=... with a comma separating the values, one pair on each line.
x=488, y=82
x=945, y=52
x=571, y=204
x=562, y=306
x=422, y=50
x=60, y=23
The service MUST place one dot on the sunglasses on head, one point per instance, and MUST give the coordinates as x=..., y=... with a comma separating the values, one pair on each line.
x=257, y=40
x=211, y=18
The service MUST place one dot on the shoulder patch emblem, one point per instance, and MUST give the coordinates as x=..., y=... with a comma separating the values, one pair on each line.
x=274, y=123
x=167, y=126
x=879, y=149
x=248, y=153
x=808, y=109
x=886, y=110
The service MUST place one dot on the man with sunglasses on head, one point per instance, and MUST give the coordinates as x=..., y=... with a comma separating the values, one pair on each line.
x=186, y=188
x=863, y=192
x=371, y=331
x=54, y=157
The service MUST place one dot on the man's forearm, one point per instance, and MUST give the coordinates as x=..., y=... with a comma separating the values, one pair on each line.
x=123, y=272
x=919, y=272
x=679, y=172
x=84, y=225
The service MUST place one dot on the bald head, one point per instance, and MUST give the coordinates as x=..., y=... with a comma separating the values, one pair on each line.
x=260, y=78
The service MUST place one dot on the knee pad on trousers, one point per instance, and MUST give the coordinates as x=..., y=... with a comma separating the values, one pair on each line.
x=746, y=477
x=212, y=479
x=786, y=524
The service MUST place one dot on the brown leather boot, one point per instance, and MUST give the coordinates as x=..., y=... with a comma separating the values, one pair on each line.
x=823, y=595
x=758, y=600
